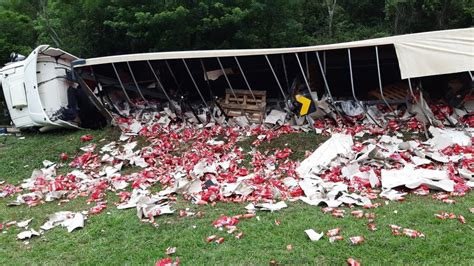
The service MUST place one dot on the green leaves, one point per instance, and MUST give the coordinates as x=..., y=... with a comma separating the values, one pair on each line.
x=16, y=34
x=89, y=28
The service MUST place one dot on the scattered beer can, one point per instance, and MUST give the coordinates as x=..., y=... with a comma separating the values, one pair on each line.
x=352, y=262
x=333, y=232
x=356, y=240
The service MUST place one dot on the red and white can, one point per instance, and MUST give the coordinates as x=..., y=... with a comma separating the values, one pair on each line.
x=372, y=227
x=358, y=213
x=333, y=232
x=352, y=262
x=356, y=240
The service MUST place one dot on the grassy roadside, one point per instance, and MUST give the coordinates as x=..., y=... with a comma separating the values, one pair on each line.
x=118, y=236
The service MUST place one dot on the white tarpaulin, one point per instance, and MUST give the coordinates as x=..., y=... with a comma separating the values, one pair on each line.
x=437, y=53
x=419, y=54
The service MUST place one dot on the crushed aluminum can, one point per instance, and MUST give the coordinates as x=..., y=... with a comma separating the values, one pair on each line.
x=239, y=235
x=333, y=232
x=440, y=196
x=461, y=219
x=277, y=222
x=394, y=227
x=211, y=238
x=449, y=201
x=356, y=240
x=201, y=202
x=412, y=233
x=63, y=156
x=98, y=208
x=10, y=224
x=86, y=138
x=370, y=216
x=232, y=230
x=372, y=227
x=338, y=213
x=395, y=232
x=352, y=262
x=333, y=239
x=248, y=215
x=371, y=206
x=422, y=191
x=457, y=194
x=327, y=209
x=440, y=216
x=358, y=213
x=225, y=221
x=170, y=250
x=220, y=240
x=167, y=262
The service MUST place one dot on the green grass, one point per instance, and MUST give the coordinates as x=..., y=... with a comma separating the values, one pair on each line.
x=121, y=238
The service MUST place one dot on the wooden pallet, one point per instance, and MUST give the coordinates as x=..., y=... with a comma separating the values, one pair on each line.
x=392, y=92
x=244, y=104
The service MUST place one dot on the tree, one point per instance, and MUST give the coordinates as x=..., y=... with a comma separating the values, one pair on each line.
x=16, y=33
x=331, y=6
x=89, y=28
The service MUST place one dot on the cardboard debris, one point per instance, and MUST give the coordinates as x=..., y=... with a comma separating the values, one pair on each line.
x=313, y=236
x=324, y=154
x=23, y=224
x=66, y=219
x=331, y=194
x=413, y=178
x=392, y=194
x=443, y=138
x=275, y=117
x=27, y=234
x=418, y=161
x=465, y=173
x=76, y=222
x=266, y=206
x=149, y=210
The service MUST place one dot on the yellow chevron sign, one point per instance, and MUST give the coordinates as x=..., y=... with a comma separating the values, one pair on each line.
x=305, y=103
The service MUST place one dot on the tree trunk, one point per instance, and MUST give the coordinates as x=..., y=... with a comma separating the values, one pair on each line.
x=331, y=5
x=442, y=15
x=51, y=32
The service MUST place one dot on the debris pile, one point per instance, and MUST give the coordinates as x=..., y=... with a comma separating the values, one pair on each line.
x=205, y=164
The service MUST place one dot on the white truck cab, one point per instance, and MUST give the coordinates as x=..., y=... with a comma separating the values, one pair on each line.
x=35, y=89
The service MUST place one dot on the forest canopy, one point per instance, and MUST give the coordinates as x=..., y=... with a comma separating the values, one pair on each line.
x=90, y=28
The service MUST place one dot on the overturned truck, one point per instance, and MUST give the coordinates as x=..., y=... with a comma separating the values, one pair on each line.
x=338, y=80
x=345, y=82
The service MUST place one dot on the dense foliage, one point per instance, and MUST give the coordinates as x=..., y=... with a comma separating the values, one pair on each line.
x=90, y=28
